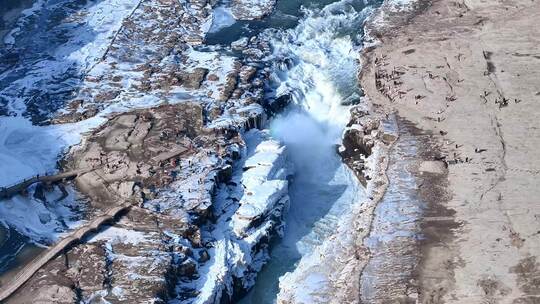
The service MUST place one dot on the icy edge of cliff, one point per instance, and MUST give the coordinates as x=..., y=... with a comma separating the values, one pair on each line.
x=251, y=207
x=331, y=273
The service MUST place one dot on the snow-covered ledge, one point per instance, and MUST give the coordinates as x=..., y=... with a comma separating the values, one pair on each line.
x=252, y=205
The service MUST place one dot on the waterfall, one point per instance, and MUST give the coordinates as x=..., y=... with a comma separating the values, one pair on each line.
x=316, y=63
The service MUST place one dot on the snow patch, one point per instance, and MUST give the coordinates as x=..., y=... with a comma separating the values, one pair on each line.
x=381, y=18
x=116, y=235
x=43, y=222
x=221, y=18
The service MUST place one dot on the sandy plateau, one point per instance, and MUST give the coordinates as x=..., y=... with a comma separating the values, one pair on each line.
x=466, y=74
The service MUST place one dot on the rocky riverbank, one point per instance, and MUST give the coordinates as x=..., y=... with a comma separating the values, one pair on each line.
x=460, y=76
x=330, y=273
x=446, y=143
x=200, y=225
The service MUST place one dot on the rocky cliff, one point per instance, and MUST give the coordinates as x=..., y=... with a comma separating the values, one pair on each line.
x=179, y=141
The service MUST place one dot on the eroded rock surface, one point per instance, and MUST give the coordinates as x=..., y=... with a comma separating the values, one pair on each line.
x=206, y=206
x=207, y=194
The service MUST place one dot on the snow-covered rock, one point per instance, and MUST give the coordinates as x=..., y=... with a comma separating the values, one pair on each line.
x=251, y=9
x=248, y=222
x=265, y=185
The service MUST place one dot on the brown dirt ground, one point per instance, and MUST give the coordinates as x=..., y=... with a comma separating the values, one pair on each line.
x=468, y=72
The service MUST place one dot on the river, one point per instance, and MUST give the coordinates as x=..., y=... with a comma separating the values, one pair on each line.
x=323, y=47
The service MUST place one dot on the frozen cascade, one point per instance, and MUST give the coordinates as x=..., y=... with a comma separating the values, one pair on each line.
x=321, y=81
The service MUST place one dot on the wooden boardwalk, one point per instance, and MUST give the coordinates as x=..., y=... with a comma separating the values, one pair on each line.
x=76, y=236
x=7, y=192
x=165, y=156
